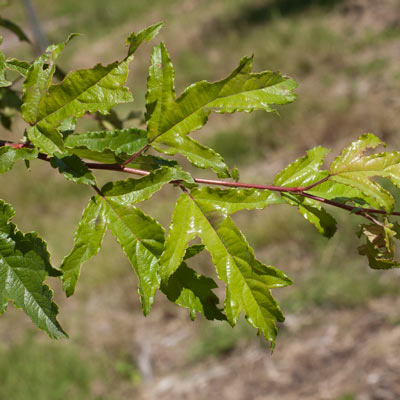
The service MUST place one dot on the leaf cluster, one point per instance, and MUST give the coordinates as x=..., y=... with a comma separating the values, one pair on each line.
x=162, y=259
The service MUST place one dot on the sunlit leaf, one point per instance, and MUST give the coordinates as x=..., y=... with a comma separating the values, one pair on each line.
x=134, y=40
x=356, y=169
x=87, y=242
x=127, y=141
x=170, y=120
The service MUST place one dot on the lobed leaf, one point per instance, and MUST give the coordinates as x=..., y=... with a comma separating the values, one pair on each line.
x=248, y=281
x=24, y=265
x=304, y=172
x=355, y=169
x=170, y=120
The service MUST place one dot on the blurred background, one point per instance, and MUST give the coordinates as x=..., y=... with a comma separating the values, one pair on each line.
x=341, y=337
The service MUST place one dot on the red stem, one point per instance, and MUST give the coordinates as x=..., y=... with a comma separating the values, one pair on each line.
x=299, y=190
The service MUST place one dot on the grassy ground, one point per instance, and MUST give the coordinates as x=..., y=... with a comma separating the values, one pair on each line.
x=341, y=338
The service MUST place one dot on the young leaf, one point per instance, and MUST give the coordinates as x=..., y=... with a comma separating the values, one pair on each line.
x=304, y=171
x=9, y=156
x=355, y=169
x=342, y=194
x=23, y=268
x=87, y=242
x=127, y=141
x=73, y=168
x=169, y=120
x=188, y=289
x=301, y=173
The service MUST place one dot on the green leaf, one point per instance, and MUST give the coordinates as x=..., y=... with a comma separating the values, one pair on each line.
x=193, y=291
x=241, y=91
x=342, y=194
x=140, y=236
x=229, y=201
x=134, y=40
x=355, y=169
x=314, y=213
x=38, y=80
x=248, y=281
x=13, y=27
x=193, y=251
x=47, y=138
x=87, y=242
x=21, y=67
x=169, y=119
x=142, y=240
x=301, y=173
x=9, y=156
x=304, y=171
x=150, y=163
x=235, y=174
x=106, y=157
x=73, y=168
x=225, y=201
x=199, y=155
x=127, y=141
x=133, y=191
x=3, y=81
x=23, y=268
x=90, y=90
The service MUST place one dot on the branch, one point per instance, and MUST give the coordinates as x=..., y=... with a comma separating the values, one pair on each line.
x=299, y=190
